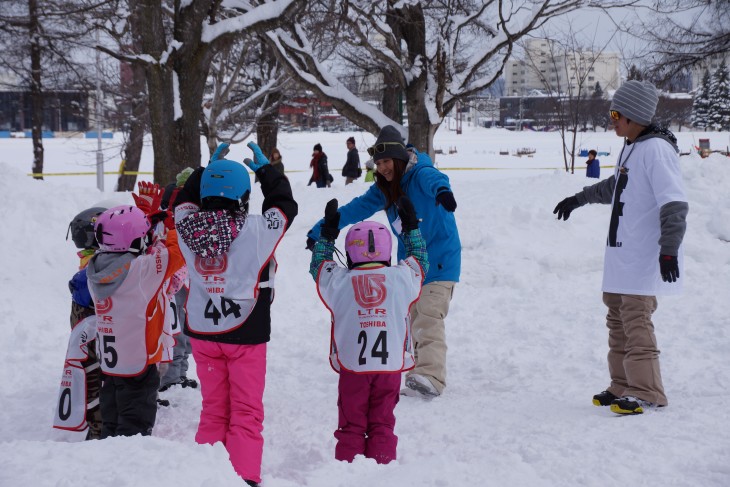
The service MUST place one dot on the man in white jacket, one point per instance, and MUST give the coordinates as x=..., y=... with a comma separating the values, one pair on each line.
x=643, y=249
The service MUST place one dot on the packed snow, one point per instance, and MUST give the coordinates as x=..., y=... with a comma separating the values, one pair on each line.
x=526, y=334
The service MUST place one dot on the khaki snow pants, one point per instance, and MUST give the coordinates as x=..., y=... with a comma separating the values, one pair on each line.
x=633, y=356
x=429, y=331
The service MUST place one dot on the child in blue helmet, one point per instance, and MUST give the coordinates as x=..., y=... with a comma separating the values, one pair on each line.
x=230, y=258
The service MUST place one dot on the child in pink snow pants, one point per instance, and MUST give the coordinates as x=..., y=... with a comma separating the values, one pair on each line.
x=371, y=337
x=231, y=264
x=366, y=404
x=232, y=379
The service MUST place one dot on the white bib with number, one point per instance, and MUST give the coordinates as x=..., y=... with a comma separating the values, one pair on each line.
x=121, y=320
x=70, y=411
x=371, y=329
x=224, y=289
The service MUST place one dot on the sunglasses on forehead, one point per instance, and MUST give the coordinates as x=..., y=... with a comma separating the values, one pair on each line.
x=380, y=148
x=615, y=116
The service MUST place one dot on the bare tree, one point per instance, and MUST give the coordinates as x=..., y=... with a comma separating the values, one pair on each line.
x=175, y=43
x=568, y=81
x=679, y=34
x=246, y=82
x=36, y=46
x=433, y=53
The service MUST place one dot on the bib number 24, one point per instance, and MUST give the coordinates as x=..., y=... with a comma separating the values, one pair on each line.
x=227, y=307
x=379, y=350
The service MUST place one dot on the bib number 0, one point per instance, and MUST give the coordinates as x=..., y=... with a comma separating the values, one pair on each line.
x=64, y=404
x=379, y=350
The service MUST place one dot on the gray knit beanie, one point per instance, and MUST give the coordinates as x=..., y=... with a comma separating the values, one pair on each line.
x=393, y=147
x=636, y=100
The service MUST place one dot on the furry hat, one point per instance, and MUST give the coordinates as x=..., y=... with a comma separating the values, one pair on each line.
x=637, y=101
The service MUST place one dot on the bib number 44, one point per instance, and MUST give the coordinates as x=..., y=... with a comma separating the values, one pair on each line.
x=227, y=307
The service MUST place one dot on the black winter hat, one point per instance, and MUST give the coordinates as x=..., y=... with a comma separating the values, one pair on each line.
x=318, y=147
x=389, y=145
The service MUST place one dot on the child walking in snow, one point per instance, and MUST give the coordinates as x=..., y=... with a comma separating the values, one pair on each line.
x=126, y=278
x=371, y=333
x=230, y=259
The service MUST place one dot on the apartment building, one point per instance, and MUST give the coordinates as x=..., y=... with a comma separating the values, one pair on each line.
x=545, y=66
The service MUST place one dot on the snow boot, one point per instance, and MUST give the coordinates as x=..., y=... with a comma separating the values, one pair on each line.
x=630, y=405
x=418, y=385
x=604, y=398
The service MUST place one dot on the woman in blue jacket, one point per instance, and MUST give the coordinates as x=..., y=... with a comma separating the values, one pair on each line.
x=430, y=191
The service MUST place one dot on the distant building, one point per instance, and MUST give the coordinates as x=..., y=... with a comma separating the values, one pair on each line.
x=63, y=110
x=547, y=67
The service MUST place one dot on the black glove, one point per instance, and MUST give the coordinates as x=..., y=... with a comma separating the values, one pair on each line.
x=310, y=243
x=190, y=192
x=330, y=228
x=669, y=268
x=565, y=207
x=157, y=217
x=446, y=199
x=407, y=214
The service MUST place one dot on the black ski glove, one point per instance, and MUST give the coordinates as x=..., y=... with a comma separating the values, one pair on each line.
x=446, y=199
x=669, y=268
x=310, y=243
x=407, y=214
x=330, y=228
x=566, y=206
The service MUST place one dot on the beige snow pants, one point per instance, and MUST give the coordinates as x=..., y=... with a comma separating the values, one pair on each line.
x=429, y=331
x=633, y=356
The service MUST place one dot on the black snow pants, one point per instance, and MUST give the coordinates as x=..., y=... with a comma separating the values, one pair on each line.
x=129, y=404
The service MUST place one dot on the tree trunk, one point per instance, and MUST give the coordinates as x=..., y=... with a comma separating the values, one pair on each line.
x=132, y=157
x=409, y=24
x=149, y=34
x=138, y=120
x=267, y=130
x=390, y=100
x=36, y=89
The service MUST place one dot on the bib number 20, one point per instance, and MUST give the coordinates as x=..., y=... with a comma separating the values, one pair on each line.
x=227, y=307
x=379, y=350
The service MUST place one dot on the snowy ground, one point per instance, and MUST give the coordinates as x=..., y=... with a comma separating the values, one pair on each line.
x=526, y=335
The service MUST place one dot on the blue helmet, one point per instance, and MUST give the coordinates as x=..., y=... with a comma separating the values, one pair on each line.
x=225, y=179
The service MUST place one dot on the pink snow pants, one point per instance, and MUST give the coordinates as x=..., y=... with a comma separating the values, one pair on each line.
x=366, y=420
x=232, y=379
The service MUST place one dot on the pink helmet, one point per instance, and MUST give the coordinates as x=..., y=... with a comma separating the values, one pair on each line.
x=117, y=228
x=368, y=242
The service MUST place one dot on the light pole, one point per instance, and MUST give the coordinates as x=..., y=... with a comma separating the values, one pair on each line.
x=99, y=155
